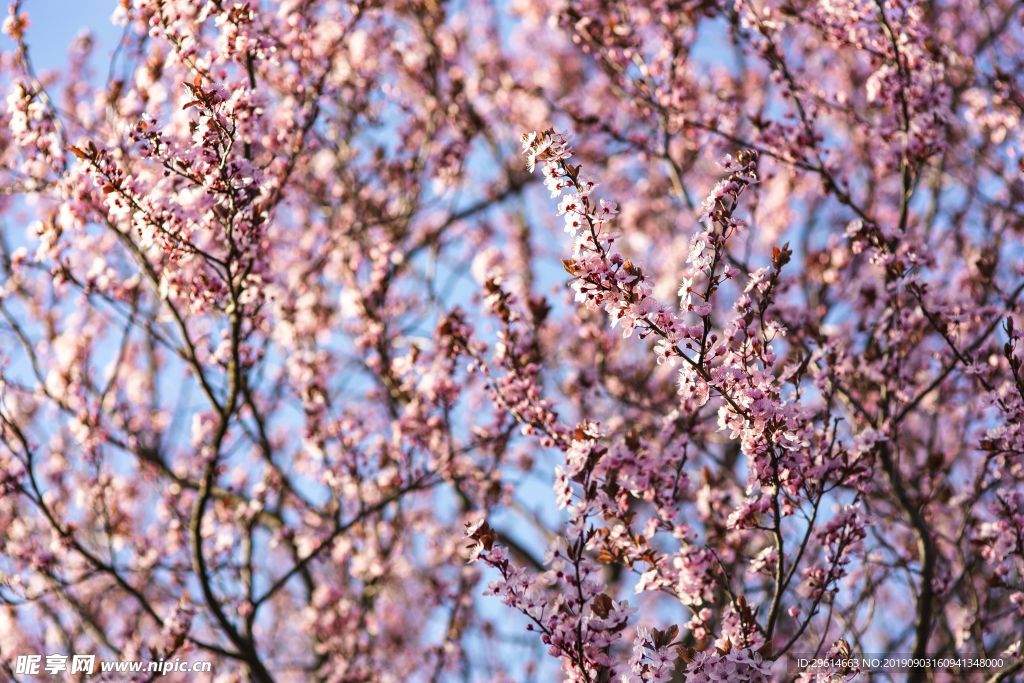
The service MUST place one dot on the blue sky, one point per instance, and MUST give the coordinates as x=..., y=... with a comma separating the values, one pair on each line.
x=54, y=23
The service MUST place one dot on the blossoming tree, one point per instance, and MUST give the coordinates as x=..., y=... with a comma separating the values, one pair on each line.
x=300, y=364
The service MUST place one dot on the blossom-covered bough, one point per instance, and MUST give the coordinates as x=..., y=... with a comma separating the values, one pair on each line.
x=303, y=373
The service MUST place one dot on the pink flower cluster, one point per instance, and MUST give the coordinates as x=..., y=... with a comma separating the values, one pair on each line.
x=281, y=311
